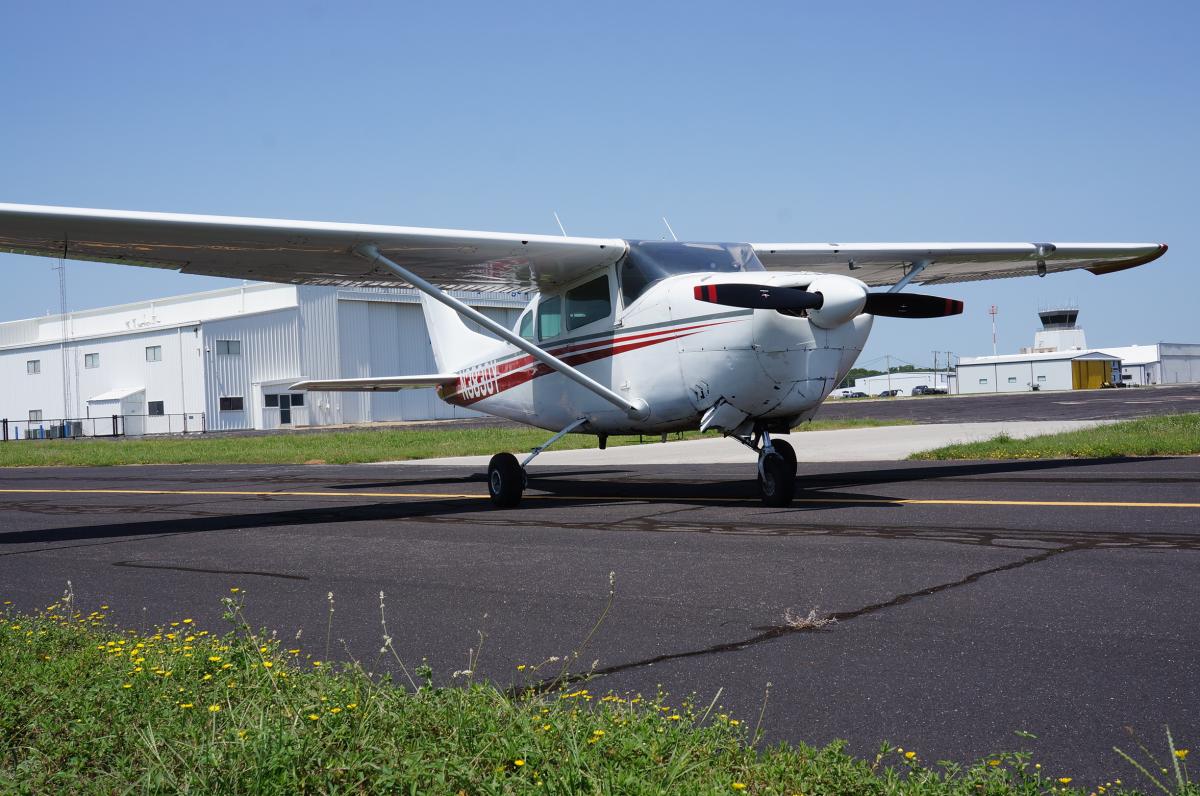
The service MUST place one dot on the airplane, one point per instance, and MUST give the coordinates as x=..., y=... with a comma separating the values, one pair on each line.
x=620, y=337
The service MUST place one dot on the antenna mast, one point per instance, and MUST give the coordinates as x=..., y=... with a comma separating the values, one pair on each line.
x=560, y=226
x=668, y=223
x=993, y=312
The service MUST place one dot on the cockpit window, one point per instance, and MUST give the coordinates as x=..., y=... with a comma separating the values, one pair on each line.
x=525, y=325
x=549, y=318
x=648, y=261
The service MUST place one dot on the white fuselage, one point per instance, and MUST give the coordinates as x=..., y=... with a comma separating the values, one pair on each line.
x=679, y=355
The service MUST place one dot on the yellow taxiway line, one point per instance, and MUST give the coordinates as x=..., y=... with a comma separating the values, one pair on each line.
x=1104, y=504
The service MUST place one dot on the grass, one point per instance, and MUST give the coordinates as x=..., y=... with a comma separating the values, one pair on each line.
x=1166, y=435
x=86, y=708
x=329, y=447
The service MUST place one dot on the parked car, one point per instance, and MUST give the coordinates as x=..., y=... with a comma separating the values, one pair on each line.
x=890, y=393
x=853, y=394
x=924, y=389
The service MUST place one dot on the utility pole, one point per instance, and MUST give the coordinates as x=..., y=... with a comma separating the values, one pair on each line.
x=993, y=312
x=887, y=358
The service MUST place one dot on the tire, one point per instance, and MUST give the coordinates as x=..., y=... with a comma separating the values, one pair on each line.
x=506, y=480
x=785, y=449
x=776, y=480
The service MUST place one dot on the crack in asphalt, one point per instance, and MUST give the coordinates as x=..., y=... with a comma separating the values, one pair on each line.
x=772, y=632
x=207, y=570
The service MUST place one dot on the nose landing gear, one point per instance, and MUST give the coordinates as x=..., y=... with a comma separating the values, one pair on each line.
x=776, y=468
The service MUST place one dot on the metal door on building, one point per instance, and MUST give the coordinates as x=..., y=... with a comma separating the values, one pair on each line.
x=285, y=409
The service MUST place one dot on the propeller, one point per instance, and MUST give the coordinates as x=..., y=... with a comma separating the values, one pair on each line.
x=772, y=297
x=911, y=305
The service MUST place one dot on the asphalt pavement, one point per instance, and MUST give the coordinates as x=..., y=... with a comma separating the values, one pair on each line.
x=972, y=600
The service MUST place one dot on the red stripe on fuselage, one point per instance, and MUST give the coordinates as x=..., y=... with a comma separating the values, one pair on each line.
x=525, y=368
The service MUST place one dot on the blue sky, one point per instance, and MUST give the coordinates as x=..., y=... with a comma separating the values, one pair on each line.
x=781, y=121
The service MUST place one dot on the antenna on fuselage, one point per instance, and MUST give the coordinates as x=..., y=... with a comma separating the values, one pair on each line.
x=668, y=223
x=560, y=226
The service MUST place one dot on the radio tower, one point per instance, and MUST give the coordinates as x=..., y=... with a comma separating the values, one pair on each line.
x=993, y=312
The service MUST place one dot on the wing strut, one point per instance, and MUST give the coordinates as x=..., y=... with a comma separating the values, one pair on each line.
x=637, y=409
x=915, y=269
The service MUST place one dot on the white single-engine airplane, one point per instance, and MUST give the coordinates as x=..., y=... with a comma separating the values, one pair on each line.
x=622, y=337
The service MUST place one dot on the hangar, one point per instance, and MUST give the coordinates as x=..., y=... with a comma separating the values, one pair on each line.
x=1055, y=370
x=223, y=359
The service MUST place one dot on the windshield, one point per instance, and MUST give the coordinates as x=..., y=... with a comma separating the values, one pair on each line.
x=648, y=261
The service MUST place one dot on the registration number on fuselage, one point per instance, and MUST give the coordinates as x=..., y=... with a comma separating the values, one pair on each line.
x=479, y=381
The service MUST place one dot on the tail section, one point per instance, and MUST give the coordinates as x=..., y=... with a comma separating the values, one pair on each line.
x=455, y=345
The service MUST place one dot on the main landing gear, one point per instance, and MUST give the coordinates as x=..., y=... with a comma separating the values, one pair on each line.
x=507, y=478
x=776, y=468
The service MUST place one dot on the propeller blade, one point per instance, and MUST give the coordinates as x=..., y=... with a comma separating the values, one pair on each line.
x=911, y=305
x=759, y=297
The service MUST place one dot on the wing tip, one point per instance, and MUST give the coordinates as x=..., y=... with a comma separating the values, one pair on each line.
x=1133, y=262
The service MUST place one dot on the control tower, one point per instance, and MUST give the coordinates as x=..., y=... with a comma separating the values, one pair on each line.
x=1059, y=331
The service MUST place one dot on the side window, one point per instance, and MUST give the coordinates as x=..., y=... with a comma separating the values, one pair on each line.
x=549, y=320
x=588, y=303
x=525, y=325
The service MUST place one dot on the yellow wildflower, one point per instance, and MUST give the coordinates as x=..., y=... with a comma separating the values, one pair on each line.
x=993, y=762
x=597, y=733
x=214, y=708
x=186, y=705
x=351, y=705
x=335, y=710
x=128, y=685
x=518, y=762
x=316, y=663
x=520, y=667
x=267, y=664
x=235, y=590
x=214, y=658
x=313, y=716
x=739, y=786
x=1181, y=753
x=1064, y=780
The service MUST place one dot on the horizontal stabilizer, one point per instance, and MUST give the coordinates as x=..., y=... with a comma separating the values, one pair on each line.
x=377, y=384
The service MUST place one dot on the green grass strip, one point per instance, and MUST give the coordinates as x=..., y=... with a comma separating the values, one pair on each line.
x=328, y=447
x=1166, y=435
x=85, y=708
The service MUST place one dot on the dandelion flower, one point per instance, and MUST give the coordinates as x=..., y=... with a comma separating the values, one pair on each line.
x=993, y=762
x=335, y=710
x=1181, y=753
x=186, y=705
x=518, y=762
x=316, y=663
x=597, y=733
x=738, y=786
x=187, y=621
x=267, y=664
x=351, y=705
x=520, y=667
x=313, y=716
x=234, y=590
x=214, y=708
x=128, y=685
x=1064, y=780
x=910, y=755
x=214, y=658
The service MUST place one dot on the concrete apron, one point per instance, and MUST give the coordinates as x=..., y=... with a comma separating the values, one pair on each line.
x=886, y=443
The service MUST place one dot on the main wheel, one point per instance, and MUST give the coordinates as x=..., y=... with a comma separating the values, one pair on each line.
x=506, y=480
x=776, y=480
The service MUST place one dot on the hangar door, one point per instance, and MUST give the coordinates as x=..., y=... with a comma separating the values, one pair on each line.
x=1089, y=374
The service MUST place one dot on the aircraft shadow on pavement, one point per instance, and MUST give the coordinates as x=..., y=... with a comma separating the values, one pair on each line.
x=554, y=492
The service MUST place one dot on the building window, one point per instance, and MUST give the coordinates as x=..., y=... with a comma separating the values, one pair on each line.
x=154, y=353
x=231, y=404
x=155, y=408
x=229, y=347
x=1012, y=379
x=91, y=360
x=1041, y=378
x=298, y=399
x=35, y=414
x=272, y=400
x=33, y=367
x=983, y=381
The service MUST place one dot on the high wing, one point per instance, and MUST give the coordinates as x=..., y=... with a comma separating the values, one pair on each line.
x=377, y=383
x=301, y=252
x=888, y=263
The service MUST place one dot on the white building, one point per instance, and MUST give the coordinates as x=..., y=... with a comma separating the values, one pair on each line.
x=223, y=359
x=905, y=381
x=1159, y=363
x=1055, y=370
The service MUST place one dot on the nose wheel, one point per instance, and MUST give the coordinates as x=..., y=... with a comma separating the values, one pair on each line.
x=777, y=474
x=776, y=468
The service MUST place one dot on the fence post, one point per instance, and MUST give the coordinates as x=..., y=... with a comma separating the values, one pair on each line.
x=5, y=423
x=114, y=425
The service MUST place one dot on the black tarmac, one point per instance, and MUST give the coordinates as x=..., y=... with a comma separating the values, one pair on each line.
x=972, y=600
